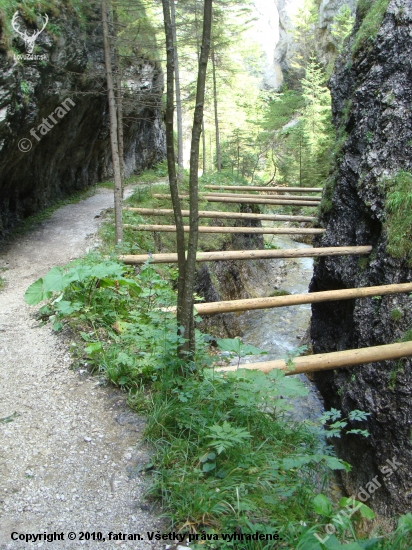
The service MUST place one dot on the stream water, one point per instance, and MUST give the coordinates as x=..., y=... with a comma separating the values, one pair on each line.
x=279, y=331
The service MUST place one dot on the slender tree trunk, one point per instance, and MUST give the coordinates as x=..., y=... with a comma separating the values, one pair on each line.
x=211, y=150
x=187, y=313
x=119, y=97
x=178, y=96
x=204, y=146
x=113, y=128
x=180, y=235
x=218, y=157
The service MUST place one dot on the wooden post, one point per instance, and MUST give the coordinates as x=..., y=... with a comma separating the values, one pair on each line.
x=237, y=200
x=274, y=196
x=212, y=308
x=334, y=360
x=256, y=188
x=223, y=215
x=240, y=230
x=250, y=254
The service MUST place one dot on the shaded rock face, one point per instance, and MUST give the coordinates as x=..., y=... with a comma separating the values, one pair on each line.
x=328, y=9
x=233, y=280
x=75, y=151
x=372, y=98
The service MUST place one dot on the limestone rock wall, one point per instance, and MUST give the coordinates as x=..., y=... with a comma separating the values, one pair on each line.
x=372, y=98
x=73, y=153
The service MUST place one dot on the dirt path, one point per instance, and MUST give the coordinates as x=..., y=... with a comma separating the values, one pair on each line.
x=68, y=455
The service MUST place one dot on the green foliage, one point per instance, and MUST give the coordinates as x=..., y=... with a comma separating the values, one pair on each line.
x=304, y=33
x=226, y=456
x=342, y=25
x=372, y=13
x=236, y=348
x=298, y=131
x=396, y=314
x=398, y=215
x=336, y=424
x=124, y=337
x=282, y=107
x=317, y=128
x=393, y=375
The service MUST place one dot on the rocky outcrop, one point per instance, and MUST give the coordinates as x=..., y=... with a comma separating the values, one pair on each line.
x=274, y=30
x=372, y=97
x=46, y=153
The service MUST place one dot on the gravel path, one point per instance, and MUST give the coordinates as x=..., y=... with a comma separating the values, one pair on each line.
x=67, y=457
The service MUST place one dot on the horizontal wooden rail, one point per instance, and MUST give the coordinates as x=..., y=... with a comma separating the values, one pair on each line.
x=223, y=215
x=247, y=195
x=257, y=188
x=250, y=254
x=252, y=200
x=242, y=230
x=333, y=360
x=211, y=308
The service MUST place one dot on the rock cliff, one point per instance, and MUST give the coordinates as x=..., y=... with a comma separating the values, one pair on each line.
x=274, y=30
x=46, y=153
x=372, y=97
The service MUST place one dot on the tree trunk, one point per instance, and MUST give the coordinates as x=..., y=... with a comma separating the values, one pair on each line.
x=113, y=128
x=204, y=146
x=180, y=235
x=178, y=96
x=119, y=97
x=187, y=310
x=218, y=156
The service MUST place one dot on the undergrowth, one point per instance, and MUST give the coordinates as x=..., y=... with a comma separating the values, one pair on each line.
x=230, y=466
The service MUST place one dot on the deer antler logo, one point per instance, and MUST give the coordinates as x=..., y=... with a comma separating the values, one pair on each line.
x=29, y=40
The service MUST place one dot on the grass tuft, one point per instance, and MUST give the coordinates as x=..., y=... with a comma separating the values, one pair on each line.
x=372, y=12
x=398, y=215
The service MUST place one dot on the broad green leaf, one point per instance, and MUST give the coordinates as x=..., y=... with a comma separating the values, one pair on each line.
x=208, y=456
x=405, y=522
x=35, y=293
x=232, y=345
x=295, y=462
x=236, y=346
x=337, y=464
x=94, y=347
x=107, y=269
x=64, y=307
x=351, y=546
x=54, y=280
x=322, y=505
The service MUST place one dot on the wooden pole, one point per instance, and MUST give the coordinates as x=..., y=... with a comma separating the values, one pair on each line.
x=334, y=360
x=275, y=196
x=250, y=254
x=241, y=230
x=256, y=188
x=212, y=308
x=223, y=215
x=251, y=200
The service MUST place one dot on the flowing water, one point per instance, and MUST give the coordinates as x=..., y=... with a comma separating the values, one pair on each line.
x=279, y=331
